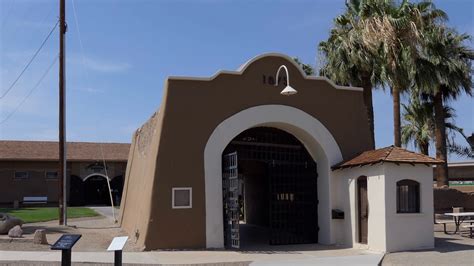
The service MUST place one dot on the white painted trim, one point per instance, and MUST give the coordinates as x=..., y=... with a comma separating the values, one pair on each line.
x=461, y=164
x=190, y=189
x=311, y=132
x=242, y=68
x=95, y=174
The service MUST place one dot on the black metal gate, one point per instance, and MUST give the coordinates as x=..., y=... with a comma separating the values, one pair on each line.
x=292, y=185
x=231, y=193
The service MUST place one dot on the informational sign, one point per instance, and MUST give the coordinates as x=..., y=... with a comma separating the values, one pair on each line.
x=66, y=242
x=117, y=243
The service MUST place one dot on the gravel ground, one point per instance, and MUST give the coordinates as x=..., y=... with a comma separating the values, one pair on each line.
x=97, y=233
x=449, y=250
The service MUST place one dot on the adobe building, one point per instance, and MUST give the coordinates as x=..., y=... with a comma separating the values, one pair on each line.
x=230, y=162
x=461, y=176
x=30, y=169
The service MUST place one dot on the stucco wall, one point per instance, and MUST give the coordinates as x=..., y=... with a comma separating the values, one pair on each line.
x=412, y=230
x=345, y=183
x=135, y=208
x=388, y=231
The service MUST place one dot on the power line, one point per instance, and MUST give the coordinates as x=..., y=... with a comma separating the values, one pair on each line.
x=31, y=91
x=29, y=62
x=86, y=73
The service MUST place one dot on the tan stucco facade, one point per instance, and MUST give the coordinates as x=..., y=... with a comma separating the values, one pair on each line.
x=169, y=149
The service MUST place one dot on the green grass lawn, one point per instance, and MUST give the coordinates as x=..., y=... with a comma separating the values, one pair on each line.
x=43, y=214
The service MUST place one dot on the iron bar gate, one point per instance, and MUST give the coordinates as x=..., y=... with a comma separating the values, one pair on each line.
x=292, y=185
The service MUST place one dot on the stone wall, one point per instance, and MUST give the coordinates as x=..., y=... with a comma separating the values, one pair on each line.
x=447, y=198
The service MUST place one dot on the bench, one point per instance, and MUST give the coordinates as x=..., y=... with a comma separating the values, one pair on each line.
x=444, y=223
x=35, y=200
x=470, y=229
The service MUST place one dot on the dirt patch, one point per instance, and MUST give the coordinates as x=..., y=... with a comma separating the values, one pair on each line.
x=97, y=233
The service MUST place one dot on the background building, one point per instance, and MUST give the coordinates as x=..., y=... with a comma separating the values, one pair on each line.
x=30, y=169
x=461, y=176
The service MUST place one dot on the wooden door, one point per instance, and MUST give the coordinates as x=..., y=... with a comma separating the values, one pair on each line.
x=363, y=209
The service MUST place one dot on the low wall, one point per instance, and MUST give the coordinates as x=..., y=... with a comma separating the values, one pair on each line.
x=447, y=198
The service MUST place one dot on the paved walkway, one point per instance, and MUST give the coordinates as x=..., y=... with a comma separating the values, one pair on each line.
x=105, y=211
x=449, y=250
x=199, y=258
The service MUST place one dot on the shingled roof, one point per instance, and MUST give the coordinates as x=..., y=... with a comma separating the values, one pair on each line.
x=49, y=150
x=390, y=154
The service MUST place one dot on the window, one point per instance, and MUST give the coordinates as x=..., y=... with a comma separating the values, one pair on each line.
x=21, y=175
x=182, y=198
x=408, y=196
x=51, y=175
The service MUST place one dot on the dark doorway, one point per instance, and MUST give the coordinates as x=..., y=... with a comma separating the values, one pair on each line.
x=76, y=191
x=96, y=191
x=270, y=184
x=363, y=209
x=116, y=185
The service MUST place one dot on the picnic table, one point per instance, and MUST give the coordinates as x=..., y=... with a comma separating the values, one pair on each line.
x=459, y=218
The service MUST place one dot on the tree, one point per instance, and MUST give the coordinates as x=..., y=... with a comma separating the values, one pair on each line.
x=347, y=61
x=462, y=150
x=419, y=124
x=444, y=73
x=394, y=31
x=307, y=68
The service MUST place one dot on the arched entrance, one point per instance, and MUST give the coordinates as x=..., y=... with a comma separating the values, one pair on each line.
x=316, y=138
x=269, y=190
x=96, y=190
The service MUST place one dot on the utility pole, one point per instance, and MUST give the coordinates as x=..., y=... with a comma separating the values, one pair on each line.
x=62, y=115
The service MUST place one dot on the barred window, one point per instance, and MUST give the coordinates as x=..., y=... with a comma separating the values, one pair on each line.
x=51, y=174
x=408, y=196
x=21, y=175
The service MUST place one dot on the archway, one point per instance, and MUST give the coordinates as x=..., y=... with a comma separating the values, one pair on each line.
x=316, y=138
x=269, y=189
x=96, y=190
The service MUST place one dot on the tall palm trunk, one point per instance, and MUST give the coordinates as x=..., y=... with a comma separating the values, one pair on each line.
x=369, y=106
x=440, y=137
x=397, y=131
x=424, y=148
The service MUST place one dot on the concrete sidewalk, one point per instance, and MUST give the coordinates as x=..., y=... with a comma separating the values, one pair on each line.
x=196, y=257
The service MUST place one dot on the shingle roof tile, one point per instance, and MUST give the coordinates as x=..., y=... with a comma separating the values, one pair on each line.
x=49, y=150
x=388, y=154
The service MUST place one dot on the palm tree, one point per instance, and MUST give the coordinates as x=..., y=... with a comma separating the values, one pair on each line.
x=307, y=68
x=394, y=31
x=462, y=150
x=419, y=125
x=346, y=59
x=445, y=74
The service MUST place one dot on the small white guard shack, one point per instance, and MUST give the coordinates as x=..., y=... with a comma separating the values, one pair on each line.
x=387, y=198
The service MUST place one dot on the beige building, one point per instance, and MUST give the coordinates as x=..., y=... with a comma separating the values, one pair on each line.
x=461, y=175
x=239, y=159
x=30, y=169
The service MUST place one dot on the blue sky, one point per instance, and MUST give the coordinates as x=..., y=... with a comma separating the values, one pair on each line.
x=130, y=47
